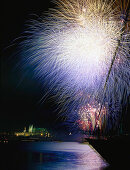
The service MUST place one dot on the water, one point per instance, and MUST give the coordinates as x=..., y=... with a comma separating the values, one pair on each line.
x=51, y=156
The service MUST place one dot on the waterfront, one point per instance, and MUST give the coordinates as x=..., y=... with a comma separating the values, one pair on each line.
x=49, y=156
x=115, y=150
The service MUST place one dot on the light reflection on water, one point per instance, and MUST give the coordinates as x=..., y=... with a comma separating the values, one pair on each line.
x=50, y=156
x=62, y=156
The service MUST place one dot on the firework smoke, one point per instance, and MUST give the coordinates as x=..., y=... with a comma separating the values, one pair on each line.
x=80, y=49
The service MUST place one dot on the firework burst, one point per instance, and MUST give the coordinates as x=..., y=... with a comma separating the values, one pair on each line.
x=80, y=49
x=89, y=116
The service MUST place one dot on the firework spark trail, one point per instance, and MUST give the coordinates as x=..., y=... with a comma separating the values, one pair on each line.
x=124, y=17
x=76, y=49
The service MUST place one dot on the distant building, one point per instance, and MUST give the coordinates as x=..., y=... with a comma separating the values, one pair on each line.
x=24, y=129
x=32, y=131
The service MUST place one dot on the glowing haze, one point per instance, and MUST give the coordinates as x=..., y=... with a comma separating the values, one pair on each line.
x=71, y=50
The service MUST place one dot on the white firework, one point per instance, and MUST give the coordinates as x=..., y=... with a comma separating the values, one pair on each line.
x=72, y=50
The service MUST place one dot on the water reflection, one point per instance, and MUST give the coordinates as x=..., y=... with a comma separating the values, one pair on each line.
x=62, y=156
x=57, y=156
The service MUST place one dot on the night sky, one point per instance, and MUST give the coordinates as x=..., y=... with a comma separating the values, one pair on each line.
x=21, y=93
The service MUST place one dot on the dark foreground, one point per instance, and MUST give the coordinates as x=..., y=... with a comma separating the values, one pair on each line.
x=49, y=156
x=115, y=150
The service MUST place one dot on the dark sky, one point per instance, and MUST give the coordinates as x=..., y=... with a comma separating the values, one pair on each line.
x=21, y=94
